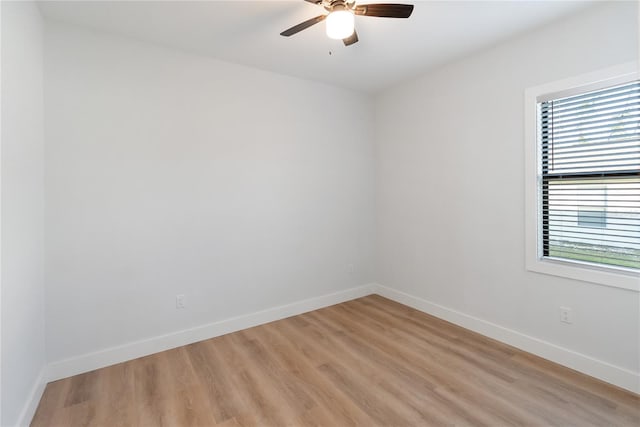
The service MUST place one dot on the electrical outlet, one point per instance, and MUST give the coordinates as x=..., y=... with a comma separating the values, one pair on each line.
x=351, y=268
x=566, y=315
x=180, y=301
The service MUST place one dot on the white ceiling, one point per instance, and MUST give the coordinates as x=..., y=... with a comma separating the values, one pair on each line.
x=247, y=32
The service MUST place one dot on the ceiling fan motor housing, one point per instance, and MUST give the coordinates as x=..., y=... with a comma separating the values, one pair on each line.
x=335, y=5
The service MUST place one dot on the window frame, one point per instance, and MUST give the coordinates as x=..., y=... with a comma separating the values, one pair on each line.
x=618, y=277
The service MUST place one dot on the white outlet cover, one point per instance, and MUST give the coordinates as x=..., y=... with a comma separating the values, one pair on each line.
x=566, y=315
x=180, y=301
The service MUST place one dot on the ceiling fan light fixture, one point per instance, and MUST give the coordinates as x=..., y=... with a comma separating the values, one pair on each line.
x=340, y=24
x=341, y=14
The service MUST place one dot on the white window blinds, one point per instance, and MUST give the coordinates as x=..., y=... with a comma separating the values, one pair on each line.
x=590, y=176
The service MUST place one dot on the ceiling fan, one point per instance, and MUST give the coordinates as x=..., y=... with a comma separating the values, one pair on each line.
x=340, y=19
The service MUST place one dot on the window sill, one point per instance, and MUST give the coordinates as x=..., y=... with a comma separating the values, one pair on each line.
x=621, y=278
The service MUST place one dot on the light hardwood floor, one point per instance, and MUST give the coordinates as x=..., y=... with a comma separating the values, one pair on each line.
x=365, y=362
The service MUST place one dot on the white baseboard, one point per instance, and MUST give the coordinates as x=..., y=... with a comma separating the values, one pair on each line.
x=111, y=356
x=616, y=375
x=65, y=368
x=30, y=406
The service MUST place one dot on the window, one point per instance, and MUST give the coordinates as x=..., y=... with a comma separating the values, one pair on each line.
x=590, y=168
x=583, y=143
x=594, y=219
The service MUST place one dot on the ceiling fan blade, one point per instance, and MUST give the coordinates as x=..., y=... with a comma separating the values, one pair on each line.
x=302, y=26
x=353, y=38
x=385, y=10
x=314, y=1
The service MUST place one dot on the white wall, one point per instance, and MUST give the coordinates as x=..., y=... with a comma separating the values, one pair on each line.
x=22, y=242
x=169, y=173
x=450, y=195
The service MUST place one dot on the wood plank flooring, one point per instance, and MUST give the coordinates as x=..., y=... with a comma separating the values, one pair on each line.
x=365, y=362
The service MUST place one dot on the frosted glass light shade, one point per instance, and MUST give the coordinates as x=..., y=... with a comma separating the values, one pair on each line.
x=340, y=24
